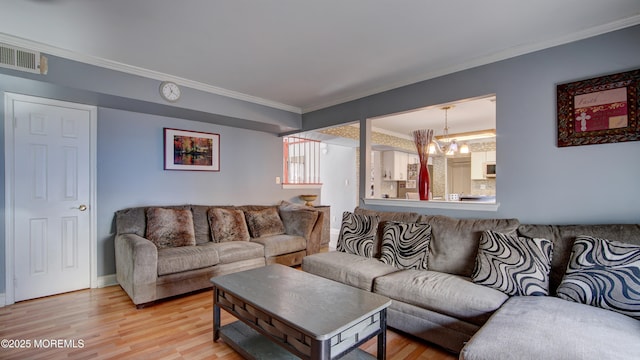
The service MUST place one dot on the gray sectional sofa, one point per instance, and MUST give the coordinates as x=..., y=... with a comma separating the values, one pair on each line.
x=162, y=251
x=449, y=303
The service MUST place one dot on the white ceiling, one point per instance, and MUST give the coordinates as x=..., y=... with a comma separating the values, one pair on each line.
x=304, y=55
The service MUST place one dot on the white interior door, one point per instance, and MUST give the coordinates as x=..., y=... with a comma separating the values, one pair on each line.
x=52, y=197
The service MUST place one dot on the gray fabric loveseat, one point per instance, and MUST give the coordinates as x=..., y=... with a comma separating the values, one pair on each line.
x=162, y=251
x=453, y=283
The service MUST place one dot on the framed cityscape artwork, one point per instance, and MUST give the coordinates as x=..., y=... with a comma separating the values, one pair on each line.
x=599, y=110
x=191, y=150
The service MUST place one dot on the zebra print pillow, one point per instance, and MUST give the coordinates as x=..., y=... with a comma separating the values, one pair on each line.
x=514, y=265
x=603, y=273
x=406, y=245
x=357, y=234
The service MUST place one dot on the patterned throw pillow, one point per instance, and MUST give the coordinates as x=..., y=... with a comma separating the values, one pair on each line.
x=228, y=225
x=265, y=222
x=357, y=234
x=603, y=273
x=514, y=265
x=406, y=245
x=170, y=227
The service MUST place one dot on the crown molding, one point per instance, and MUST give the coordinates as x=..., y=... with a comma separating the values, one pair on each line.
x=134, y=70
x=499, y=56
x=503, y=55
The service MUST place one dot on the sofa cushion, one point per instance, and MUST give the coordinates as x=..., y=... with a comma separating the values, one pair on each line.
x=228, y=225
x=563, y=237
x=232, y=251
x=264, y=222
x=357, y=233
x=354, y=270
x=134, y=220
x=447, y=294
x=406, y=245
x=605, y=274
x=281, y=244
x=514, y=265
x=454, y=242
x=170, y=227
x=545, y=327
x=178, y=259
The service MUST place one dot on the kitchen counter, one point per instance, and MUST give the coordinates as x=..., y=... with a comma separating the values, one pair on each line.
x=435, y=204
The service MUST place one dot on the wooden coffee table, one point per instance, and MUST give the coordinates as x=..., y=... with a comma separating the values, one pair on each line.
x=288, y=314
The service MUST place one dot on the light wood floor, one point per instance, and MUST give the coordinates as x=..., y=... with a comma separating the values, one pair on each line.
x=105, y=324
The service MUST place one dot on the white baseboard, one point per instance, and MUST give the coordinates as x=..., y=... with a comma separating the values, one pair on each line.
x=103, y=281
x=107, y=280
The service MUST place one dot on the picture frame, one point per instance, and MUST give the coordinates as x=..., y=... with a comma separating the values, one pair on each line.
x=191, y=150
x=599, y=110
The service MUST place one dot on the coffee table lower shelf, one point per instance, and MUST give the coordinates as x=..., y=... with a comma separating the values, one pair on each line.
x=253, y=345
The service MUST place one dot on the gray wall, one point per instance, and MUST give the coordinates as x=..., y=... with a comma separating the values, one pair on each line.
x=130, y=170
x=537, y=182
x=2, y=201
x=131, y=117
x=73, y=81
x=339, y=181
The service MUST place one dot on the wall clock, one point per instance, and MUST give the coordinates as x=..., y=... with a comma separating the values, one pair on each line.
x=170, y=91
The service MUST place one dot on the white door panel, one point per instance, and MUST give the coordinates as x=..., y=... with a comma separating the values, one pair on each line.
x=52, y=235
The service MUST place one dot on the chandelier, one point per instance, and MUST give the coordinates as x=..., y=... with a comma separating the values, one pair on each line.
x=447, y=145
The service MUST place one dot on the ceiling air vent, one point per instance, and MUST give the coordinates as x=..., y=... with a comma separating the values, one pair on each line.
x=19, y=59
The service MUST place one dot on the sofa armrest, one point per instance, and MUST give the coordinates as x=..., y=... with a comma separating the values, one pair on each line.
x=314, y=241
x=305, y=222
x=136, y=267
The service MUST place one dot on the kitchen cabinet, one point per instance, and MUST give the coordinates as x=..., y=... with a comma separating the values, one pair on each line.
x=478, y=160
x=491, y=156
x=394, y=165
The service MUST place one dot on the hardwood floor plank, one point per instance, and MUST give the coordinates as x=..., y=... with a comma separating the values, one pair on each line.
x=104, y=324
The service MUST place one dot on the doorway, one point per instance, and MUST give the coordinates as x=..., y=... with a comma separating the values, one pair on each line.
x=50, y=187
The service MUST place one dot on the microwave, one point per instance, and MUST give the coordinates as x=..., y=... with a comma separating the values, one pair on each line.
x=490, y=169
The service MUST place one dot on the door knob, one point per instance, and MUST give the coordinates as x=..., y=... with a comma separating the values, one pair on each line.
x=82, y=207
